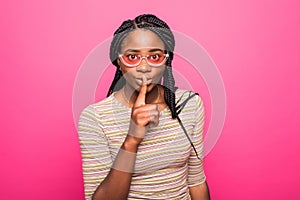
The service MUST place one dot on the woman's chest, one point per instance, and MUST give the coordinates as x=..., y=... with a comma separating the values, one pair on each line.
x=163, y=146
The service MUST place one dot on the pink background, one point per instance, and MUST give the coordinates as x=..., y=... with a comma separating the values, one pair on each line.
x=255, y=46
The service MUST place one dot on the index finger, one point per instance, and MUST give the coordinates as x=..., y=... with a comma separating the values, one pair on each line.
x=141, y=99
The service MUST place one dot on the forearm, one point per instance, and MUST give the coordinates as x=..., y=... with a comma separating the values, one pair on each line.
x=200, y=192
x=117, y=183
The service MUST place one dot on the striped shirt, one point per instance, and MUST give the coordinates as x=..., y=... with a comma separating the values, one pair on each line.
x=166, y=164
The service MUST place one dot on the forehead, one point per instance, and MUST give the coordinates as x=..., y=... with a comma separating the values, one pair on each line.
x=141, y=39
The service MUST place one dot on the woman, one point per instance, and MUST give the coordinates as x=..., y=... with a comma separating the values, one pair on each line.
x=144, y=141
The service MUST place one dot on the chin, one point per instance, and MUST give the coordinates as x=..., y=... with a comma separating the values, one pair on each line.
x=149, y=87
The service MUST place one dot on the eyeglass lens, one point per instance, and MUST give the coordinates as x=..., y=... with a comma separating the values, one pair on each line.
x=133, y=59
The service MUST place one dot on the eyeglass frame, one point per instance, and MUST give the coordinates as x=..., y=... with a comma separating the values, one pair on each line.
x=146, y=58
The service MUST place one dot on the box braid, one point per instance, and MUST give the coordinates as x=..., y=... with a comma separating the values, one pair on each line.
x=163, y=31
x=115, y=46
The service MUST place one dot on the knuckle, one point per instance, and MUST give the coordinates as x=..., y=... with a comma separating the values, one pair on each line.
x=134, y=111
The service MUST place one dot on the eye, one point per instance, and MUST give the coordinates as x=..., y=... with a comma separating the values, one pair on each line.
x=155, y=57
x=132, y=57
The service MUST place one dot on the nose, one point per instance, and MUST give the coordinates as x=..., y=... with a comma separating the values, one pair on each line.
x=143, y=66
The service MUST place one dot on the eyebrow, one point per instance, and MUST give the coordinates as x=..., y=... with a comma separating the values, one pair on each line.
x=136, y=50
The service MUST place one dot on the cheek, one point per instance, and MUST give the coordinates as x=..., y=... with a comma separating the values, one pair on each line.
x=123, y=69
x=127, y=74
x=159, y=73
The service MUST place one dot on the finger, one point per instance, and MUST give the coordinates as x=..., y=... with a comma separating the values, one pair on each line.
x=146, y=108
x=153, y=121
x=147, y=114
x=154, y=118
x=157, y=110
x=141, y=99
x=154, y=113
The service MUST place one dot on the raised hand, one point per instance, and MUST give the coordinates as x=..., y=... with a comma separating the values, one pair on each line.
x=143, y=116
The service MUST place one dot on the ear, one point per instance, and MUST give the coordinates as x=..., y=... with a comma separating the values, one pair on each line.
x=120, y=68
x=119, y=62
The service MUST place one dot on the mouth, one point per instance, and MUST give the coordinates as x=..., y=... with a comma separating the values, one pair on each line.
x=140, y=81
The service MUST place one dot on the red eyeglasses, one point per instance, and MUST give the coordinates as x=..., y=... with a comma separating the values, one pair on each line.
x=134, y=59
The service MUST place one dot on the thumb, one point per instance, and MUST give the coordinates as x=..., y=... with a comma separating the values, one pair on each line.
x=141, y=99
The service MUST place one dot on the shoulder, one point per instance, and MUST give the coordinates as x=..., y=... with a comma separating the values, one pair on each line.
x=183, y=95
x=97, y=108
x=104, y=103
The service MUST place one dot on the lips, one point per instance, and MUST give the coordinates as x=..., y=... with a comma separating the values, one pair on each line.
x=140, y=81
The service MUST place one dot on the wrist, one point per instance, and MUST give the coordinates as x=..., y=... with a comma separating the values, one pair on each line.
x=130, y=144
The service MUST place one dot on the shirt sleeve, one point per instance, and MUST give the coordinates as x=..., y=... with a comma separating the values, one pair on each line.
x=196, y=174
x=95, y=155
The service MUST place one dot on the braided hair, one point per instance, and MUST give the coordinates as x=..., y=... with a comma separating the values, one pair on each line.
x=163, y=31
